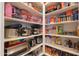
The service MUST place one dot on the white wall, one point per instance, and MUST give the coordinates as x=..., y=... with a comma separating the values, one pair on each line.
x=1, y=29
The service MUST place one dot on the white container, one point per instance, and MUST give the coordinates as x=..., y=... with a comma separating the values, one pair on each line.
x=10, y=33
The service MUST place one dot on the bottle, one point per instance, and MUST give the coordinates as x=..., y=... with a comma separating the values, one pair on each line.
x=52, y=20
x=62, y=5
x=76, y=45
x=69, y=43
x=24, y=14
x=75, y=14
x=78, y=29
x=24, y=31
x=58, y=41
x=59, y=19
x=59, y=29
x=67, y=4
x=32, y=42
x=30, y=4
x=48, y=19
x=50, y=8
x=38, y=39
x=58, y=6
x=68, y=14
x=8, y=10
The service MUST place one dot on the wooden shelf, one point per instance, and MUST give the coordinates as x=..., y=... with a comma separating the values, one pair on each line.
x=20, y=20
x=68, y=36
x=32, y=49
x=61, y=10
x=22, y=5
x=66, y=49
x=64, y=22
x=17, y=38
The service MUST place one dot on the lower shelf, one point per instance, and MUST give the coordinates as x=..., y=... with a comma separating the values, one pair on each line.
x=40, y=54
x=66, y=49
x=32, y=49
x=47, y=54
x=15, y=50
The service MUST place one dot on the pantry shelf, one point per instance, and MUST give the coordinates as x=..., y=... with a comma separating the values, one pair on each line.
x=28, y=27
x=32, y=49
x=62, y=10
x=14, y=46
x=17, y=38
x=50, y=3
x=68, y=36
x=62, y=48
x=64, y=22
x=15, y=50
x=40, y=4
x=9, y=19
x=40, y=54
x=47, y=54
x=22, y=5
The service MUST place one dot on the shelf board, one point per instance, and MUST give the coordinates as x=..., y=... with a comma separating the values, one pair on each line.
x=66, y=49
x=39, y=4
x=32, y=49
x=64, y=22
x=17, y=38
x=61, y=10
x=40, y=54
x=16, y=49
x=9, y=19
x=14, y=46
x=68, y=36
x=47, y=3
x=47, y=54
x=50, y=3
x=22, y=5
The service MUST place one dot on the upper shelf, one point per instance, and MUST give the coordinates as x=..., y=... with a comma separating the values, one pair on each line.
x=50, y=3
x=40, y=4
x=62, y=10
x=22, y=5
x=9, y=19
x=64, y=22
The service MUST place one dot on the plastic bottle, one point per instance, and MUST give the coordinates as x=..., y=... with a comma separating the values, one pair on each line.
x=8, y=10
